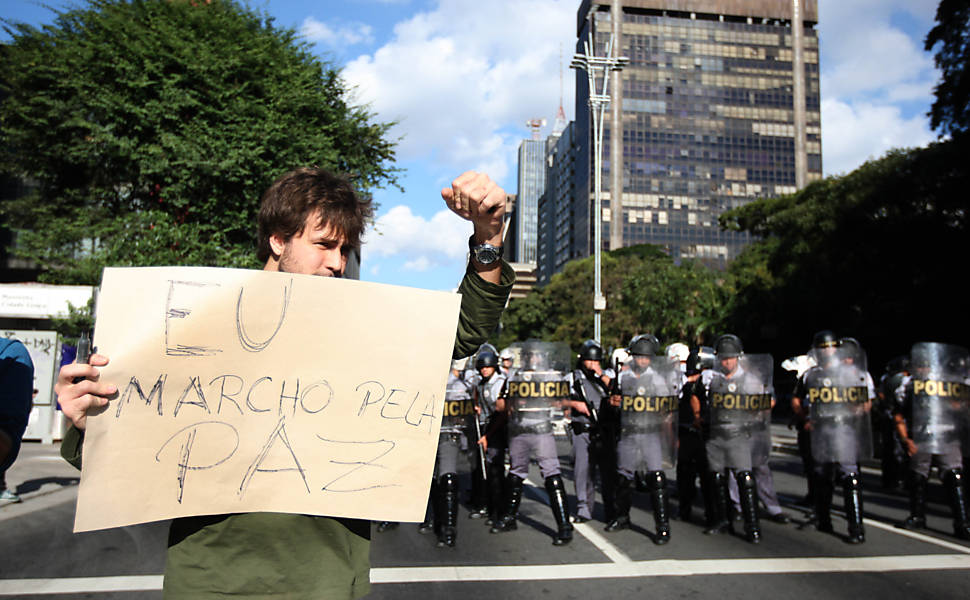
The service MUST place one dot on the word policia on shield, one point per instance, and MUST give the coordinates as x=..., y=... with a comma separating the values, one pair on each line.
x=247, y=391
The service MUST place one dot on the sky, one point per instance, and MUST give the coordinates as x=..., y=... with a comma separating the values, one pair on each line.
x=461, y=77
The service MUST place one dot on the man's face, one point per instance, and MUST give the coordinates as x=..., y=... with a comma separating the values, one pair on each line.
x=507, y=363
x=317, y=250
x=729, y=364
x=641, y=362
x=487, y=371
x=590, y=365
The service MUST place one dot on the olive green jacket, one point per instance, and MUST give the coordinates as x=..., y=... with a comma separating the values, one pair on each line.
x=256, y=555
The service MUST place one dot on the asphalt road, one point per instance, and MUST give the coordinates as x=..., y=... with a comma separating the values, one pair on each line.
x=41, y=558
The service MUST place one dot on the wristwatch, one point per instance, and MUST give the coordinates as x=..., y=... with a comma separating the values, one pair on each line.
x=486, y=253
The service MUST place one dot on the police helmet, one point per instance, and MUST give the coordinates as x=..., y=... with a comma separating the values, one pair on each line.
x=506, y=355
x=645, y=344
x=591, y=350
x=850, y=348
x=486, y=359
x=728, y=346
x=678, y=351
x=824, y=339
x=458, y=364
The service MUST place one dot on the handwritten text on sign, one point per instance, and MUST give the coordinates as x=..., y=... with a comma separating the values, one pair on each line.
x=245, y=391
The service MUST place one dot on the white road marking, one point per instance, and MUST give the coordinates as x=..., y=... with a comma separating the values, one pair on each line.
x=917, y=536
x=587, y=531
x=648, y=568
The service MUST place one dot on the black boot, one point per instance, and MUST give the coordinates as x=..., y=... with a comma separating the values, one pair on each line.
x=953, y=480
x=513, y=496
x=719, y=503
x=478, y=500
x=657, y=482
x=496, y=476
x=823, y=501
x=852, y=490
x=560, y=510
x=449, y=510
x=749, y=506
x=624, y=499
x=917, y=503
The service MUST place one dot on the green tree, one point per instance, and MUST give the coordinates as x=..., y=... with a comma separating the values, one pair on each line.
x=950, y=113
x=645, y=290
x=876, y=254
x=150, y=129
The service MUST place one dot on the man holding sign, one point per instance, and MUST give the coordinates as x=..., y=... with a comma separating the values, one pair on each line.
x=308, y=222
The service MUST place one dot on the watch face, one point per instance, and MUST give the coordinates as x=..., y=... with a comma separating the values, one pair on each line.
x=486, y=255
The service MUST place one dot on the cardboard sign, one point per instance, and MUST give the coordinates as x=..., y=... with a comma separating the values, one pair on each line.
x=247, y=391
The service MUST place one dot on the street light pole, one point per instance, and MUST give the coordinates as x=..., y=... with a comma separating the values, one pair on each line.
x=598, y=69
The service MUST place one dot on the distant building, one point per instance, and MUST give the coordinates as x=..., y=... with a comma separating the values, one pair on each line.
x=532, y=182
x=707, y=120
x=559, y=228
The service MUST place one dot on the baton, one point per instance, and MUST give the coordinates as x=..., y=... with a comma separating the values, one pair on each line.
x=478, y=436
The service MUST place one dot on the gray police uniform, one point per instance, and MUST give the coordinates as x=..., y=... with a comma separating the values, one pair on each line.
x=579, y=434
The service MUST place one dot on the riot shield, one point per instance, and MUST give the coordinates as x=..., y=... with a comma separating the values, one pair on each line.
x=939, y=394
x=537, y=386
x=837, y=393
x=649, y=407
x=458, y=405
x=740, y=405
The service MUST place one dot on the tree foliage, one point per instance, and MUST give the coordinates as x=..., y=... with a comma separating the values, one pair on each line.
x=150, y=129
x=875, y=254
x=645, y=290
x=950, y=113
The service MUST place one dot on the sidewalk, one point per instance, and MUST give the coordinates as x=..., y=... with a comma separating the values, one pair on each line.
x=40, y=477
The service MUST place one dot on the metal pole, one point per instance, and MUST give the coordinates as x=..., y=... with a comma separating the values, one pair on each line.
x=598, y=68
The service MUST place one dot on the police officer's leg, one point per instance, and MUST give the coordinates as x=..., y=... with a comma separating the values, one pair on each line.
x=687, y=471
x=448, y=491
x=606, y=460
x=657, y=486
x=808, y=465
x=919, y=469
x=717, y=488
x=582, y=476
x=824, y=488
x=478, y=504
x=766, y=492
x=747, y=487
x=852, y=494
x=496, y=479
x=952, y=472
x=625, y=467
x=519, y=449
x=549, y=468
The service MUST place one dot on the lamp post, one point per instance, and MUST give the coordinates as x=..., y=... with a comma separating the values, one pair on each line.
x=598, y=69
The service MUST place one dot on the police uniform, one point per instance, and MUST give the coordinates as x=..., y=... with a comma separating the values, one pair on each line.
x=930, y=412
x=650, y=394
x=691, y=454
x=492, y=424
x=833, y=398
x=740, y=407
x=532, y=394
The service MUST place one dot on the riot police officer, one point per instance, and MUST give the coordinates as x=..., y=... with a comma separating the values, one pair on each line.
x=832, y=400
x=691, y=454
x=931, y=405
x=590, y=387
x=892, y=457
x=648, y=399
x=458, y=409
x=740, y=396
x=491, y=434
x=535, y=390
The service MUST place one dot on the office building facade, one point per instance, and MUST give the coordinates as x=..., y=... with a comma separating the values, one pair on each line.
x=707, y=119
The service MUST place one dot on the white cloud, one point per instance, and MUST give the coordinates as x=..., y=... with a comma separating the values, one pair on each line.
x=854, y=133
x=876, y=79
x=421, y=243
x=463, y=78
x=344, y=35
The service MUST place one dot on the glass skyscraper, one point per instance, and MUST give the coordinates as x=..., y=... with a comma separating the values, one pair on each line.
x=707, y=118
x=532, y=182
